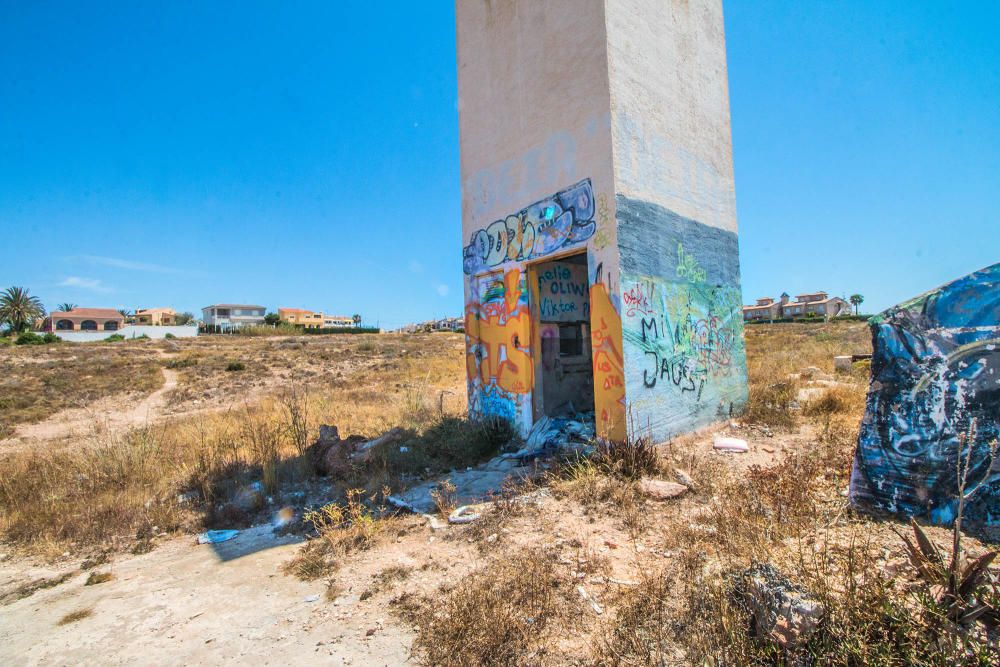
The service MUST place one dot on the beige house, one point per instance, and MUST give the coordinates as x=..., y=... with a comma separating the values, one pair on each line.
x=86, y=319
x=310, y=319
x=158, y=317
x=810, y=304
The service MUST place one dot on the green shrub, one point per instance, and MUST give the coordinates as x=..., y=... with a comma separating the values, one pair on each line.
x=29, y=338
x=236, y=366
x=170, y=336
x=114, y=338
x=50, y=337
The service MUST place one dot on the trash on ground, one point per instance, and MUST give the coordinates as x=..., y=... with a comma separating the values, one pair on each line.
x=216, y=536
x=464, y=514
x=726, y=444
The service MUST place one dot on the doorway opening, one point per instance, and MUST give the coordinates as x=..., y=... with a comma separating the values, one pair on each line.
x=564, y=368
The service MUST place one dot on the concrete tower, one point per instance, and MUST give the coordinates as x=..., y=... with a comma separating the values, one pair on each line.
x=598, y=214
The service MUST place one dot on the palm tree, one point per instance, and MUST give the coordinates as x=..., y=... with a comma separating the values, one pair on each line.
x=856, y=300
x=65, y=307
x=356, y=319
x=19, y=310
x=124, y=312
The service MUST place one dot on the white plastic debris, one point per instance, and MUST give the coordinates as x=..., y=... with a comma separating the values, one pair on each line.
x=216, y=536
x=310, y=598
x=463, y=514
x=593, y=603
x=726, y=444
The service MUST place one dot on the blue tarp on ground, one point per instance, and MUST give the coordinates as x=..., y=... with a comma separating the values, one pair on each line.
x=935, y=369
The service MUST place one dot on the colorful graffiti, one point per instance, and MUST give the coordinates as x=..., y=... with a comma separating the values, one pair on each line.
x=609, y=364
x=559, y=221
x=498, y=346
x=682, y=322
x=935, y=371
x=563, y=293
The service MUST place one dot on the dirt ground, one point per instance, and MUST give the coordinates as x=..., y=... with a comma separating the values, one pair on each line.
x=226, y=603
x=182, y=602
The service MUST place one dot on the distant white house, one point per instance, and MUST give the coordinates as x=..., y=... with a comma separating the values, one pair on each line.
x=227, y=316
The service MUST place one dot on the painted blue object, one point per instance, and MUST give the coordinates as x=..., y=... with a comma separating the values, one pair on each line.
x=935, y=370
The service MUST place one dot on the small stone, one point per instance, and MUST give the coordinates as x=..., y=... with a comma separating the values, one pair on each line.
x=684, y=478
x=659, y=489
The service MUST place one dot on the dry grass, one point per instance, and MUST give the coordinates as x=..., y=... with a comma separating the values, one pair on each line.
x=77, y=615
x=342, y=529
x=116, y=491
x=777, y=351
x=38, y=381
x=511, y=612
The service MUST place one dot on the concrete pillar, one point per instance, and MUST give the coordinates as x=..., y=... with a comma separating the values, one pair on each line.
x=602, y=126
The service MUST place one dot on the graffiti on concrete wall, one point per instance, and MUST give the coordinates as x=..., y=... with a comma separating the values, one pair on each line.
x=498, y=346
x=563, y=292
x=935, y=371
x=682, y=323
x=609, y=364
x=559, y=221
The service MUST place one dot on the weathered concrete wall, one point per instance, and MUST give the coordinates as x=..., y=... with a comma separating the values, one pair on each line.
x=130, y=331
x=681, y=312
x=935, y=370
x=537, y=182
x=602, y=125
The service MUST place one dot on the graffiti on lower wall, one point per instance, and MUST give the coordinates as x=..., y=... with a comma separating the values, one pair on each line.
x=498, y=347
x=556, y=222
x=935, y=371
x=682, y=322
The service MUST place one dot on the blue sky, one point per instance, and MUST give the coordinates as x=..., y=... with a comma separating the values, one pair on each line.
x=189, y=153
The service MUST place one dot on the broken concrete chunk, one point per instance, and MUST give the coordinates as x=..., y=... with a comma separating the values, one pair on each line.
x=659, y=489
x=780, y=611
x=843, y=364
x=726, y=444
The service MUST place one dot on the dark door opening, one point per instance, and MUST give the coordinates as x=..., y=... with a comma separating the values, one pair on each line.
x=564, y=370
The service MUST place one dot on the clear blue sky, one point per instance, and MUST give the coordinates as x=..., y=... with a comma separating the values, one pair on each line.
x=306, y=155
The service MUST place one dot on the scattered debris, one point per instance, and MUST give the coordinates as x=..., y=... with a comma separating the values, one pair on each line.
x=551, y=435
x=780, y=611
x=727, y=444
x=593, y=603
x=330, y=454
x=464, y=514
x=311, y=598
x=216, y=536
x=360, y=452
x=659, y=489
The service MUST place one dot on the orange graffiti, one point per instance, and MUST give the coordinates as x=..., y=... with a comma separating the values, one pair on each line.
x=609, y=365
x=512, y=289
x=511, y=332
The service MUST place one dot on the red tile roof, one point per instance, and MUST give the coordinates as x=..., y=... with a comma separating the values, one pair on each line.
x=94, y=313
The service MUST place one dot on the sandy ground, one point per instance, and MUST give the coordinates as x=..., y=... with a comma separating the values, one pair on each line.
x=185, y=603
x=114, y=414
x=230, y=603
